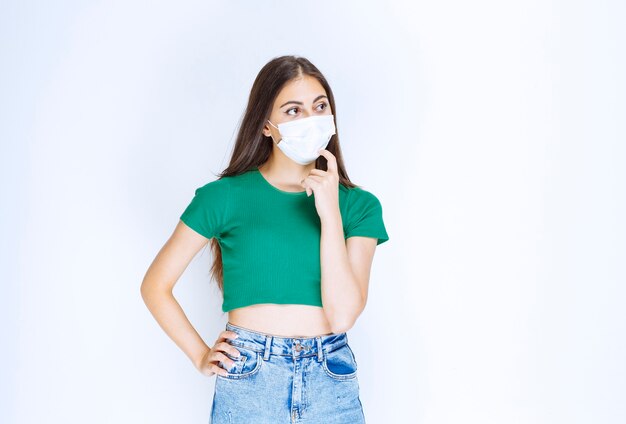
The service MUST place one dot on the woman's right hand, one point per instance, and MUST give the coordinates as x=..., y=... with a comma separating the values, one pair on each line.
x=209, y=363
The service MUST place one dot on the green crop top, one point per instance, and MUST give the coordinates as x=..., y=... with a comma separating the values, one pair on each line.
x=270, y=238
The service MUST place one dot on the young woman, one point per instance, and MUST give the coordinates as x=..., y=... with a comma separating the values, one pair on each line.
x=293, y=241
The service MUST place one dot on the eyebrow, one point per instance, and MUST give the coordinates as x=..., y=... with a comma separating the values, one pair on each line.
x=300, y=103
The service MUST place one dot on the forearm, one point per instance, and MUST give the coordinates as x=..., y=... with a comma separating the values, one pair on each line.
x=172, y=319
x=341, y=295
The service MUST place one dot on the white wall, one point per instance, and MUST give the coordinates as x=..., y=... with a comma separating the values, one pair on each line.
x=493, y=133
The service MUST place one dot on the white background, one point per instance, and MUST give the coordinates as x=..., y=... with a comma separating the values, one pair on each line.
x=492, y=132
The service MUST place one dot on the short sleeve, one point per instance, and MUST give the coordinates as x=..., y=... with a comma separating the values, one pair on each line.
x=365, y=216
x=206, y=213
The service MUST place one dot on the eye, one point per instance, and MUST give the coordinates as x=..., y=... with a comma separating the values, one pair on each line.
x=290, y=109
x=322, y=104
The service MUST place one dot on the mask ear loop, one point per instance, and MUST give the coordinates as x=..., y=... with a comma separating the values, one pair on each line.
x=276, y=128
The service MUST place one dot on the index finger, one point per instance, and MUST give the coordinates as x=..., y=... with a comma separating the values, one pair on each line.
x=226, y=334
x=331, y=160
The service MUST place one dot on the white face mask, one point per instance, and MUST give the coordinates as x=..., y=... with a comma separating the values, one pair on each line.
x=303, y=138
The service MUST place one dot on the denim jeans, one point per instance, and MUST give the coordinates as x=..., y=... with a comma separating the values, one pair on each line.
x=288, y=380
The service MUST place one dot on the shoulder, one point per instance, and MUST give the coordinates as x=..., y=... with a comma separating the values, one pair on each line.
x=357, y=202
x=220, y=182
x=214, y=187
x=222, y=187
x=358, y=197
x=212, y=193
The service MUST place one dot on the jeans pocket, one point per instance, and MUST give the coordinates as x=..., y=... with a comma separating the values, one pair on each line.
x=246, y=365
x=340, y=363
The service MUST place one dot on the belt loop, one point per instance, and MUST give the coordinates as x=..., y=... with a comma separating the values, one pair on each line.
x=320, y=356
x=268, y=343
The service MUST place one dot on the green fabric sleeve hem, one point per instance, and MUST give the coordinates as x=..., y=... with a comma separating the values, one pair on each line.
x=380, y=238
x=196, y=229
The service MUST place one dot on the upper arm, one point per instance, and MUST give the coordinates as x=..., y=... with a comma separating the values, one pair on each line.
x=364, y=229
x=207, y=213
x=364, y=216
x=204, y=217
x=361, y=255
x=173, y=258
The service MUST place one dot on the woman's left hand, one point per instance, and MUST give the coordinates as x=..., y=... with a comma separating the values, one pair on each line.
x=325, y=186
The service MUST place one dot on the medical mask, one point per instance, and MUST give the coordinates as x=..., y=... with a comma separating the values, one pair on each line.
x=303, y=138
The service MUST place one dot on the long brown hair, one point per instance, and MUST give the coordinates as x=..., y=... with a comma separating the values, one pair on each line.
x=253, y=148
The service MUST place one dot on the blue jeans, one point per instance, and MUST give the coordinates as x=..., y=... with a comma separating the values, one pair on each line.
x=288, y=380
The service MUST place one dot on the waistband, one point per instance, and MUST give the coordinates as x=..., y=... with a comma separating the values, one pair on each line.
x=269, y=344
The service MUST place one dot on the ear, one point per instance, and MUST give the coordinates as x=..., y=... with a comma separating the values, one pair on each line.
x=266, y=130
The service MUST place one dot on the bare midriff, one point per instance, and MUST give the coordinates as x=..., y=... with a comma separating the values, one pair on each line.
x=282, y=320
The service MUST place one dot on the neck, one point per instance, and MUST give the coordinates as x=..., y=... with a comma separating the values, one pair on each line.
x=284, y=171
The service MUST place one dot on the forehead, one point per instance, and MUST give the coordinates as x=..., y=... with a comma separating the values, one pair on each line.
x=303, y=89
